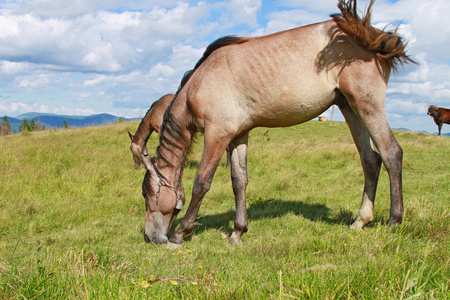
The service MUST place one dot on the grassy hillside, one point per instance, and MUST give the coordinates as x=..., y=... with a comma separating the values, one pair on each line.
x=71, y=221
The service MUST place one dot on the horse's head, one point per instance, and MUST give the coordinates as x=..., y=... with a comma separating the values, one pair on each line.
x=432, y=110
x=162, y=203
x=136, y=150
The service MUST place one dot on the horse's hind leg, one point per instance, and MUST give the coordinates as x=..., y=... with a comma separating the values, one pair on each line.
x=238, y=152
x=369, y=107
x=371, y=163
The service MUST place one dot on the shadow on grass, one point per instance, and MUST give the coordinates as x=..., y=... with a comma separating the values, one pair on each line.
x=270, y=208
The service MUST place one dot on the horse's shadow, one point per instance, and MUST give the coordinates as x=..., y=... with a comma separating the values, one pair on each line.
x=271, y=208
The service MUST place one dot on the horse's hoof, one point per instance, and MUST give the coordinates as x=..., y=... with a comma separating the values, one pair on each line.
x=174, y=240
x=234, y=239
x=394, y=223
x=357, y=225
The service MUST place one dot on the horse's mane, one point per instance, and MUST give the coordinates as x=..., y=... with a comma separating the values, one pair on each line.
x=171, y=132
x=387, y=45
x=219, y=43
x=146, y=114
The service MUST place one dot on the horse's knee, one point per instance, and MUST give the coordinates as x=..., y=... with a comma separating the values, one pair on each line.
x=201, y=185
x=394, y=159
x=398, y=152
x=372, y=164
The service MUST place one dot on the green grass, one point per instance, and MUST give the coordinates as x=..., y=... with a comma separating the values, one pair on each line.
x=71, y=221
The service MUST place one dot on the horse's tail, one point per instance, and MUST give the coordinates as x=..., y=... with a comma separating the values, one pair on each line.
x=387, y=45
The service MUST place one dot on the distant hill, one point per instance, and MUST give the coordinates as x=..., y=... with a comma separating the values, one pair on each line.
x=57, y=121
x=406, y=129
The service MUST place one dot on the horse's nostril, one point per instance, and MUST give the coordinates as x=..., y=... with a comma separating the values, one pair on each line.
x=146, y=238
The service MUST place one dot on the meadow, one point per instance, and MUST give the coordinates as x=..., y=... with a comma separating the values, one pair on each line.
x=72, y=218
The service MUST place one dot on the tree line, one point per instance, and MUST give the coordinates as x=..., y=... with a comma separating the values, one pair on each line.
x=5, y=127
x=25, y=126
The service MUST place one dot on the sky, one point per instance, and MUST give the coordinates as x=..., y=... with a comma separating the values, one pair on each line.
x=83, y=57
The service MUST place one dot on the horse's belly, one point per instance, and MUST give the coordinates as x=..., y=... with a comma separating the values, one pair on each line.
x=288, y=110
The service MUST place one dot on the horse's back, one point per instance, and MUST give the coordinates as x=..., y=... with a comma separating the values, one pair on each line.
x=267, y=81
x=156, y=112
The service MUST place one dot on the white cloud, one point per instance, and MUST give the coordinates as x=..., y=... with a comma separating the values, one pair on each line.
x=10, y=68
x=406, y=107
x=82, y=96
x=70, y=111
x=96, y=80
x=21, y=107
x=317, y=5
x=244, y=11
x=426, y=82
x=101, y=42
x=284, y=20
x=161, y=70
x=33, y=82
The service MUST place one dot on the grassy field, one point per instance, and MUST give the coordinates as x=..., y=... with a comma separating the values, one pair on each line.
x=71, y=221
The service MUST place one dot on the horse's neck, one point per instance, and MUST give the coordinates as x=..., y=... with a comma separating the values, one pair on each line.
x=175, y=140
x=172, y=166
x=143, y=132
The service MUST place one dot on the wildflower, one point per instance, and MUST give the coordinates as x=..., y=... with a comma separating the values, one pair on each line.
x=144, y=283
x=200, y=267
x=179, y=252
x=188, y=251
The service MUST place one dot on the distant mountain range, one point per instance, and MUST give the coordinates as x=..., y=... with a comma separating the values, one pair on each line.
x=57, y=121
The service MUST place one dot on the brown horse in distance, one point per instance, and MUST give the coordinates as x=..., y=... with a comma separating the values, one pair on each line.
x=278, y=80
x=151, y=122
x=440, y=116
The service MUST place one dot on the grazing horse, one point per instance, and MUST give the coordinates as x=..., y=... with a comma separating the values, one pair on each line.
x=278, y=80
x=440, y=116
x=151, y=122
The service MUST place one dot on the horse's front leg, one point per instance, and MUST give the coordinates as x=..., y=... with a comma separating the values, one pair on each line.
x=238, y=150
x=212, y=153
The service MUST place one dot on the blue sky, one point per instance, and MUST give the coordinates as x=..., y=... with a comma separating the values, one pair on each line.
x=110, y=56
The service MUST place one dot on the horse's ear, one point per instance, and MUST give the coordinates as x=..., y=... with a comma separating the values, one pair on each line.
x=131, y=136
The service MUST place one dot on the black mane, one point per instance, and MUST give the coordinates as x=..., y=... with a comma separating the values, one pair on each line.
x=219, y=43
